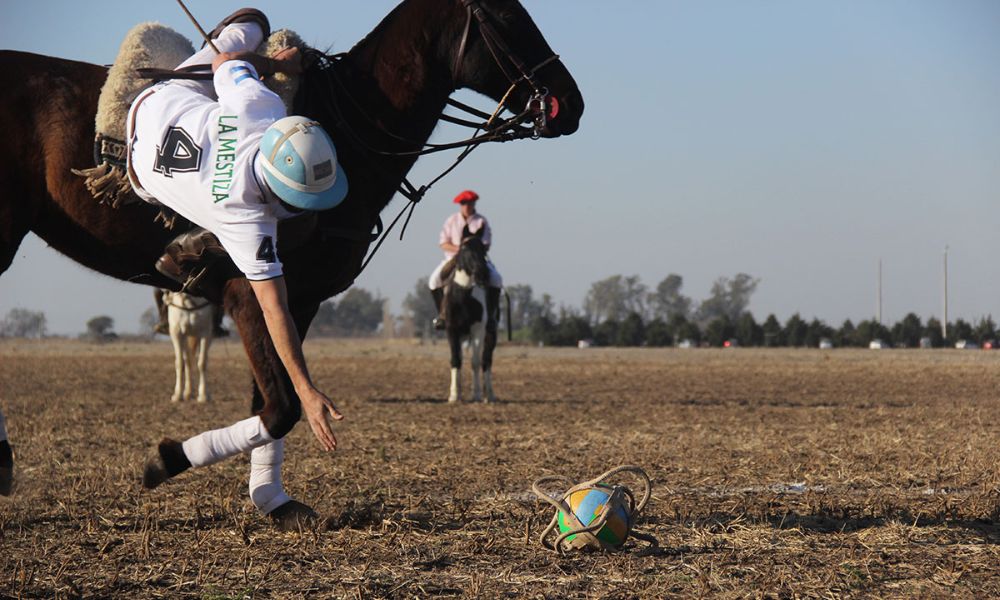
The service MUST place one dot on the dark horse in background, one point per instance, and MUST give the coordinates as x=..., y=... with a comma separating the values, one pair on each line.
x=380, y=102
x=472, y=310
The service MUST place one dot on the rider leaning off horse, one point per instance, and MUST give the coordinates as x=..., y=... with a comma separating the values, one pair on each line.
x=465, y=222
x=223, y=154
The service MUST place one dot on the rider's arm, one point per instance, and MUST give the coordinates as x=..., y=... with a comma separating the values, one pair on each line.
x=272, y=296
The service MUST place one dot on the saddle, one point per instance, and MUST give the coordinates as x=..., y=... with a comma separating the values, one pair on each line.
x=153, y=50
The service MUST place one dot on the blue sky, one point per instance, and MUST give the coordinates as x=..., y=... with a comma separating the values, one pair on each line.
x=797, y=141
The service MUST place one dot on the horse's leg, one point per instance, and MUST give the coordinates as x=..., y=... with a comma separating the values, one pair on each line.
x=455, y=345
x=476, y=360
x=6, y=460
x=281, y=410
x=13, y=228
x=175, y=339
x=190, y=360
x=490, y=340
x=203, y=345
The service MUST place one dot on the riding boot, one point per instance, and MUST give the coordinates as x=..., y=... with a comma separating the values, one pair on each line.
x=438, y=295
x=161, y=309
x=189, y=257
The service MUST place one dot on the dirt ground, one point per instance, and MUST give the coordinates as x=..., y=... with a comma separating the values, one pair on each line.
x=776, y=473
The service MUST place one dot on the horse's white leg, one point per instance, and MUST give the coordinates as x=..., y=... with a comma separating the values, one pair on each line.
x=175, y=339
x=190, y=360
x=455, y=395
x=203, y=345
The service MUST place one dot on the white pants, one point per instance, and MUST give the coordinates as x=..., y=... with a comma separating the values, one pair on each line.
x=496, y=280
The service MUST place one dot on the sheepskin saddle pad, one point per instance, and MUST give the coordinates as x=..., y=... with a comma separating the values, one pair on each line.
x=150, y=46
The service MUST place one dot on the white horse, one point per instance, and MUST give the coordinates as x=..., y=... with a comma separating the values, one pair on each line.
x=190, y=323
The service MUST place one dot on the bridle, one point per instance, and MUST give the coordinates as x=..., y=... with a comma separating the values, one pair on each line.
x=529, y=123
x=540, y=104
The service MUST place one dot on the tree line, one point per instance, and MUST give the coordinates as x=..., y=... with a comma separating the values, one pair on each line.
x=616, y=311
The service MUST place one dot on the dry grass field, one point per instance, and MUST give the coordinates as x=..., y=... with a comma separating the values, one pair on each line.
x=777, y=473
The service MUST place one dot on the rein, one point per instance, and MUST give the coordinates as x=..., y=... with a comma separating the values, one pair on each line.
x=537, y=111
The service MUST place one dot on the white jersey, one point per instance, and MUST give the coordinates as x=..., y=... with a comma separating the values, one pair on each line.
x=197, y=156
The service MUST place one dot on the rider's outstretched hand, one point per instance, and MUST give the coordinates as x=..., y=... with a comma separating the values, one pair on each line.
x=319, y=410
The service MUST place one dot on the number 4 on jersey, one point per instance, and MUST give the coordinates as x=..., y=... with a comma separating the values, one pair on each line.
x=177, y=154
x=265, y=251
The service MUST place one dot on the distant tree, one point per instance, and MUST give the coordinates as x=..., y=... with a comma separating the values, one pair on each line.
x=718, y=331
x=816, y=331
x=523, y=307
x=960, y=330
x=571, y=329
x=795, y=331
x=613, y=298
x=606, y=333
x=932, y=331
x=658, y=334
x=687, y=330
x=101, y=328
x=148, y=320
x=543, y=330
x=419, y=306
x=632, y=331
x=358, y=312
x=870, y=330
x=747, y=331
x=667, y=301
x=845, y=336
x=774, y=335
x=324, y=323
x=23, y=323
x=985, y=330
x=728, y=298
x=908, y=331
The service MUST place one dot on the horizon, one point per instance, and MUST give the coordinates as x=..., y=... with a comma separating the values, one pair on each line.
x=800, y=144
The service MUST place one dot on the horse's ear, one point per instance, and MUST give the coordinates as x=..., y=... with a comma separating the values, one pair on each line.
x=480, y=232
x=465, y=232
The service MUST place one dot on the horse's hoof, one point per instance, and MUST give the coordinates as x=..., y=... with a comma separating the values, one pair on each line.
x=168, y=461
x=175, y=398
x=293, y=516
x=6, y=480
x=454, y=399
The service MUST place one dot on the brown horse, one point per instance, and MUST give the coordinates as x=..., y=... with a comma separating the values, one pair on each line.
x=380, y=102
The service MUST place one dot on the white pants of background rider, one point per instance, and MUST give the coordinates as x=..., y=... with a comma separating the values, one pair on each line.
x=435, y=279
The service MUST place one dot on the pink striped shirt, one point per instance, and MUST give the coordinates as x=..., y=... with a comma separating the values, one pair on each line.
x=452, y=230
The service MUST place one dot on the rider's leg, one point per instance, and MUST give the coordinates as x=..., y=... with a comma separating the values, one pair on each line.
x=217, y=315
x=161, y=310
x=438, y=295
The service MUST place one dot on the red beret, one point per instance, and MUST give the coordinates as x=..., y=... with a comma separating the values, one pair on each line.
x=466, y=196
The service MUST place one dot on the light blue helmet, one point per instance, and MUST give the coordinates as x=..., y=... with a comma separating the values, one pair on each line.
x=300, y=164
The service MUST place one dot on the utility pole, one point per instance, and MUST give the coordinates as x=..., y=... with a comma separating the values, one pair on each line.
x=878, y=308
x=944, y=322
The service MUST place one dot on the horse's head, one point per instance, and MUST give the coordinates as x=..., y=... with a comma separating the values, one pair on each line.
x=501, y=53
x=470, y=262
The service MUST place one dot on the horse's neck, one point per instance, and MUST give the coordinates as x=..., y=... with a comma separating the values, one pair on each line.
x=398, y=81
